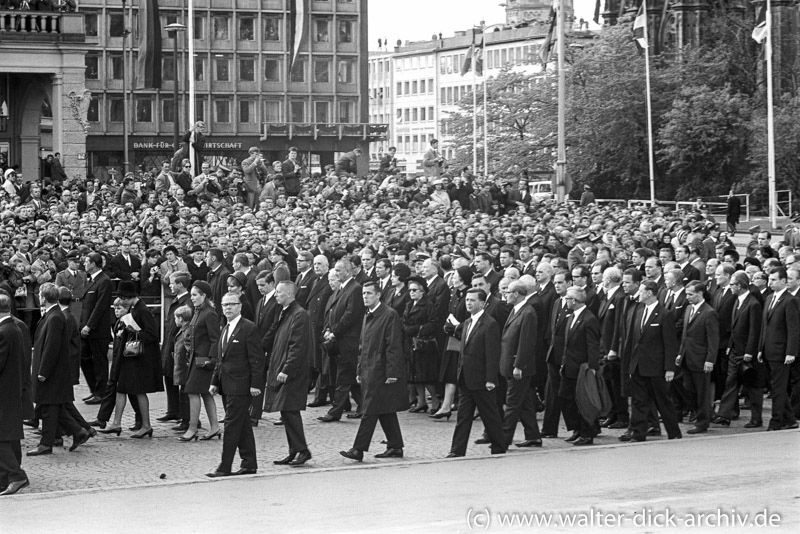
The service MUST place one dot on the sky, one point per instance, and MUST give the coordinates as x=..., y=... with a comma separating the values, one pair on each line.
x=418, y=20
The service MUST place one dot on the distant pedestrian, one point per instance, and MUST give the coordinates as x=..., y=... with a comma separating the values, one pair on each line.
x=733, y=213
x=587, y=197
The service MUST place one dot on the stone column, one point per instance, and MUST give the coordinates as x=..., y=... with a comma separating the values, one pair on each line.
x=70, y=125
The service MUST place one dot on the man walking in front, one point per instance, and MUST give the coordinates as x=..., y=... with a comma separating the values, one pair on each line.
x=95, y=328
x=12, y=376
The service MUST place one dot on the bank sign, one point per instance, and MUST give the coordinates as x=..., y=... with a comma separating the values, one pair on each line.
x=167, y=145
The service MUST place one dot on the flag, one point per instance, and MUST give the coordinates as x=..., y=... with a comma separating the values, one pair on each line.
x=148, y=63
x=549, y=39
x=596, y=17
x=465, y=68
x=760, y=31
x=297, y=26
x=479, y=58
x=474, y=56
x=640, y=28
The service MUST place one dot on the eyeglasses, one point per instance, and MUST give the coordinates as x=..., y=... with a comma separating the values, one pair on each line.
x=187, y=166
x=414, y=290
x=231, y=304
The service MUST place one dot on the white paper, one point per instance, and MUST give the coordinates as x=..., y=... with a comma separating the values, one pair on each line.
x=127, y=320
x=452, y=320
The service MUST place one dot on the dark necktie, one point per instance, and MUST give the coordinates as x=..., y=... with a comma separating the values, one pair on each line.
x=225, y=338
x=670, y=301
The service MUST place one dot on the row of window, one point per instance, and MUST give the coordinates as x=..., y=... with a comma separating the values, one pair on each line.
x=495, y=59
x=223, y=109
x=453, y=95
x=415, y=114
x=246, y=69
x=414, y=62
x=415, y=87
x=413, y=143
x=274, y=27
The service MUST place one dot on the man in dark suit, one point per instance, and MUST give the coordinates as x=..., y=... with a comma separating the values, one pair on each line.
x=383, y=274
x=217, y=275
x=555, y=353
x=266, y=314
x=690, y=272
x=483, y=265
x=698, y=352
x=124, y=265
x=742, y=345
x=237, y=375
x=292, y=171
x=343, y=327
x=778, y=347
x=477, y=377
x=12, y=377
x=517, y=357
x=179, y=283
x=287, y=377
x=544, y=297
x=306, y=277
x=608, y=317
x=581, y=345
x=651, y=344
x=95, y=328
x=317, y=299
x=723, y=301
x=51, y=371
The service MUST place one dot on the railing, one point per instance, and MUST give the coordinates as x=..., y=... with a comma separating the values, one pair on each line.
x=366, y=131
x=41, y=25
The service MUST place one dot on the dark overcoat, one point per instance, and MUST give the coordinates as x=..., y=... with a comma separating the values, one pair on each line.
x=12, y=376
x=141, y=374
x=381, y=357
x=289, y=356
x=51, y=359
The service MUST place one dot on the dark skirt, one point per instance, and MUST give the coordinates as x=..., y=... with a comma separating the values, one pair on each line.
x=424, y=367
x=199, y=380
x=141, y=374
x=448, y=369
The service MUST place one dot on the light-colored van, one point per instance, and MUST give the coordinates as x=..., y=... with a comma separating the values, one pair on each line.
x=541, y=190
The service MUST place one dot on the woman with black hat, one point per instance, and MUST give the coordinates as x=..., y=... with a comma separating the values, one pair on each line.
x=419, y=343
x=202, y=335
x=236, y=284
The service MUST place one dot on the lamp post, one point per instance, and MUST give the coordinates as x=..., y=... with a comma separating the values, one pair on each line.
x=173, y=30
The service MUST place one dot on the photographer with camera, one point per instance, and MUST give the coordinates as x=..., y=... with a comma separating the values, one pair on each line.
x=255, y=172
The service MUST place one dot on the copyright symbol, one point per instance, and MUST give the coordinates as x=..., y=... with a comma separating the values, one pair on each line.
x=478, y=519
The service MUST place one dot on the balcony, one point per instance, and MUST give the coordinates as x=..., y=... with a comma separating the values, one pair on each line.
x=44, y=26
x=289, y=130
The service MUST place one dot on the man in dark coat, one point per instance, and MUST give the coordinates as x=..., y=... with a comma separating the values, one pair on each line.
x=239, y=369
x=381, y=373
x=266, y=313
x=287, y=378
x=317, y=299
x=306, y=277
x=95, y=328
x=52, y=375
x=12, y=377
x=733, y=212
x=292, y=171
x=179, y=283
x=217, y=276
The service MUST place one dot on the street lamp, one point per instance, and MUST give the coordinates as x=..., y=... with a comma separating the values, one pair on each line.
x=173, y=30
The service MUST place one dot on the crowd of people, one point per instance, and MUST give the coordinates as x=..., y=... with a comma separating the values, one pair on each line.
x=440, y=293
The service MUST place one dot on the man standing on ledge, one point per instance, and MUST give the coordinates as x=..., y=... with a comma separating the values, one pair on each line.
x=381, y=373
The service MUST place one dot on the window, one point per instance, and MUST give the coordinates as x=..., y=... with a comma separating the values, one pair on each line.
x=221, y=28
x=92, y=67
x=93, y=113
x=504, y=56
x=167, y=110
x=346, y=71
x=422, y=114
x=272, y=28
x=414, y=87
x=298, y=71
x=116, y=25
x=449, y=99
x=407, y=88
x=200, y=109
x=430, y=113
x=246, y=111
x=321, y=30
x=171, y=18
x=322, y=112
x=247, y=29
x=297, y=109
x=272, y=111
x=116, y=66
x=144, y=109
x=399, y=88
x=116, y=110
x=322, y=70
x=199, y=69
x=222, y=111
x=489, y=60
x=443, y=98
x=442, y=65
x=222, y=68
x=90, y=24
x=199, y=27
x=414, y=115
x=414, y=142
x=406, y=115
x=247, y=70
x=167, y=68
x=272, y=70
x=346, y=111
x=421, y=87
x=399, y=115
x=346, y=31
x=430, y=85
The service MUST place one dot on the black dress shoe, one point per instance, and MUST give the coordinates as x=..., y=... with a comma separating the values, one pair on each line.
x=94, y=399
x=79, y=439
x=327, y=418
x=692, y=417
x=15, y=486
x=316, y=404
x=573, y=437
x=92, y=432
x=454, y=455
x=721, y=421
x=753, y=424
x=390, y=453
x=285, y=461
x=482, y=441
x=58, y=442
x=353, y=454
x=217, y=474
x=618, y=425
x=253, y=422
x=39, y=451
x=583, y=441
x=653, y=431
x=530, y=443
x=98, y=423
x=548, y=436
x=630, y=437
x=608, y=422
x=279, y=422
x=33, y=423
x=790, y=427
x=167, y=417
x=696, y=430
x=183, y=427
x=244, y=471
x=302, y=457
x=355, y=415
x=87, y=397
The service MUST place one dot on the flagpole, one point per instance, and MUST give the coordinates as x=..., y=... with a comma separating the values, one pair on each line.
x=485, y=128
x=561, y=161
x=190, y=64
x=773, y=212
x=649, y=107
x=125, y=113
x=475, y=116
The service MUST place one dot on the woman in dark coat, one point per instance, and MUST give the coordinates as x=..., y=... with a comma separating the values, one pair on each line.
x=236, y=284
x=398, y=298
x=141, y=374
x=201, y=340
x=419, y=321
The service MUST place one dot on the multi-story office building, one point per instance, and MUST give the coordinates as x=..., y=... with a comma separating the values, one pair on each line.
x=250, y=87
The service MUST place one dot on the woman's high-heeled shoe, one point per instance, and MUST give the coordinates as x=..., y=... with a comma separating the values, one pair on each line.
x=190, y=438
x=146, y=434
x=116, y=430
x=419, y=409
x=217, y=434
x=442, y=415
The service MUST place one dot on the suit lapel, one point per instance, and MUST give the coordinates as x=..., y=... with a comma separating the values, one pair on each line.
x=232, y=336
x=777, y=303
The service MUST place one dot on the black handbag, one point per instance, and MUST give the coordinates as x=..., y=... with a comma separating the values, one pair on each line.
x=133, y=347
x=424, y=344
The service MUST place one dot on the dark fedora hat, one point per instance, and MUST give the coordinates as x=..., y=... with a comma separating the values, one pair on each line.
x=127, y=289
x=748, y=374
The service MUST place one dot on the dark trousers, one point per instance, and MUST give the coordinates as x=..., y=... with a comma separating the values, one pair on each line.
x=698, y=387
x=619, y=402
x=238, y=434
x=183, y=406
x=729, y=404
x=680, y=397
x=647, y=391
x=719, y=375
x=76, y=415
x=520, y=407
x=10, y=462
x=779, y=376
x=109, y=400
x=390, y=425
x=173, y=396
x=341, y=397
x=486, y=403
x=295, y=435
x=323, y=390
x=569, y=408
x=552, y=404
x=257, y=402
x=794, y=387
x=53, y=417
x=94, y=363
